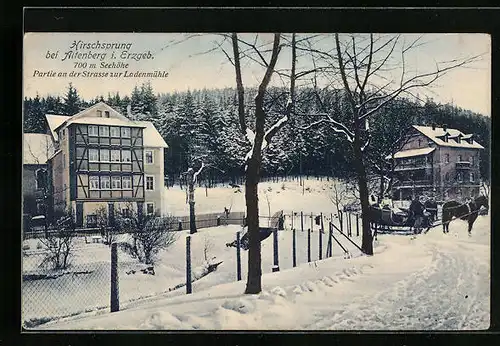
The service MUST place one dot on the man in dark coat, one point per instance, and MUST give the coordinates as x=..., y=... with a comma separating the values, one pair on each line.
x=417, y=211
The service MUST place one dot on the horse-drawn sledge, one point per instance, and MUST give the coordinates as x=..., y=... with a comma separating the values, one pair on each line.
x=422, y=215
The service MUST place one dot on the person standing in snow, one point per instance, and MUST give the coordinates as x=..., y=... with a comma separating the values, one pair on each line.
x=417, y=211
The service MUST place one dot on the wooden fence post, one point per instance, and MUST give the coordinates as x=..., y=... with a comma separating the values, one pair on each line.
x=276, y=267
x=294, y=249
x=341, y=220
x=292, y=219
x=308, y=245
x=188, y=265
x=312, y=222
x=349, y=221
x=238, y=257
x=115, y=301
x=320, y=253
x=357, y=225
x=330, y=234
x=301, y=221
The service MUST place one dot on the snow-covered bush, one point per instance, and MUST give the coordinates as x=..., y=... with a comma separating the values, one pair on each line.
x=150, y=234
x=59, y=244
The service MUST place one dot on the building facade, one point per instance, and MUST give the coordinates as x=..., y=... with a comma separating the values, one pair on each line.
x=437, y=161
x=102, y=159
x=37, y=148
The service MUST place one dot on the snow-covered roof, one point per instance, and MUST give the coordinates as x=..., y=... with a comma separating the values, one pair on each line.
x=412, y=152
x=104, y=121
x=152, y=137
x=37, y=148
x=54, y=121
x=437, y=133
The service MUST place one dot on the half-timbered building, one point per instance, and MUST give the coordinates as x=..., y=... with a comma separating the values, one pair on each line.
x=104, y=159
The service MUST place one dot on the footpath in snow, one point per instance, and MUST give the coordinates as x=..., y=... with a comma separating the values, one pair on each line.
x=431, y=282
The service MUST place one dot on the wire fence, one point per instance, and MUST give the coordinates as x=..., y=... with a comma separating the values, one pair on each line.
x=68, y=274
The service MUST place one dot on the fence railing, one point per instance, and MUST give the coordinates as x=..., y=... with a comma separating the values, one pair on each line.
x=101, y=277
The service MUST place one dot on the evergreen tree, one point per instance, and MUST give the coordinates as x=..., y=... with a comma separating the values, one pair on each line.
x=72, y=102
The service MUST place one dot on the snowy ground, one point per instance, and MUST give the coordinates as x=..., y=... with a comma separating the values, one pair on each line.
x=434, y=281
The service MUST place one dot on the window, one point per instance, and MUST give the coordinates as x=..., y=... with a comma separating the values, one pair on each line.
x=92, y=220
x=149, y=156
x=126, y=156
x=64, y=160
x=472, y=160
x=106, y=114
x=115, y=155
x=115, y=131
x=419, y=143
x=99, y=114
x=471, y=177
x=446, y=158
x=150, y=208
x=459, y=176
x=94, y=182
x=103, y=131
x=93, y=155
x=116, y=183
x=126, y=212
x=127, y=183
x=93, y=130
x=125, y=132
x=459, y=158
x=63, y=133
x=105, y=183
x=447, y=176
x=41, y=178
x=150, y=183
x=104, y=154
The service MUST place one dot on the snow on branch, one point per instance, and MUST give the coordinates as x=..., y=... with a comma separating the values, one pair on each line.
x=195, y=176
x=335, y=125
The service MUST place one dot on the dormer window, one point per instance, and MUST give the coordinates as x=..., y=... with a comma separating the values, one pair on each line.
x=99, y=114
x=106, y=114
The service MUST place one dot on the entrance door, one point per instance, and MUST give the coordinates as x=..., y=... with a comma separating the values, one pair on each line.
x=79, y=214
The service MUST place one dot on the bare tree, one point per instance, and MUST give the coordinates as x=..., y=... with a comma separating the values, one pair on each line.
x=208, y=247
x=59, y=243
x=191, y=178
x=370, y=80
x=105, y=225
x=259, y=138
x=150, y=233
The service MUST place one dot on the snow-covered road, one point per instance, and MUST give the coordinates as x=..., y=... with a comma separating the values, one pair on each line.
x=429, y=282
x=450, y=293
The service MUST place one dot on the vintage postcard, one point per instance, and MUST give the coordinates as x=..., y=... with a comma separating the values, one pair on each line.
x=256, y=181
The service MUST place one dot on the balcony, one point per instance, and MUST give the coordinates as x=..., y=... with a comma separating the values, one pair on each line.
x=412, y=167
x=463, y=165
x=413, y=183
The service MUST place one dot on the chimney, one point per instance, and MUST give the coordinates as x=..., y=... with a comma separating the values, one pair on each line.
x=445, y=127
x=433, y=126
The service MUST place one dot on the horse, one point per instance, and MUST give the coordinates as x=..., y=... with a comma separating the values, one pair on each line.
x=466, y=211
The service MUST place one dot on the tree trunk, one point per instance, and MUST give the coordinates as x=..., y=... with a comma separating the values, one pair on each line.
x=252, y=203
x=254, y=284
x=367, y=241
x=192, y=218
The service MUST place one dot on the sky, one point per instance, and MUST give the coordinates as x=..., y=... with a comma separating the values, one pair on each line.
x=196, y=61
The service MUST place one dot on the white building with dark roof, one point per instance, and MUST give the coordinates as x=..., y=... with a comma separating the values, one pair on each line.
x=100, y=159
x=438, y=161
